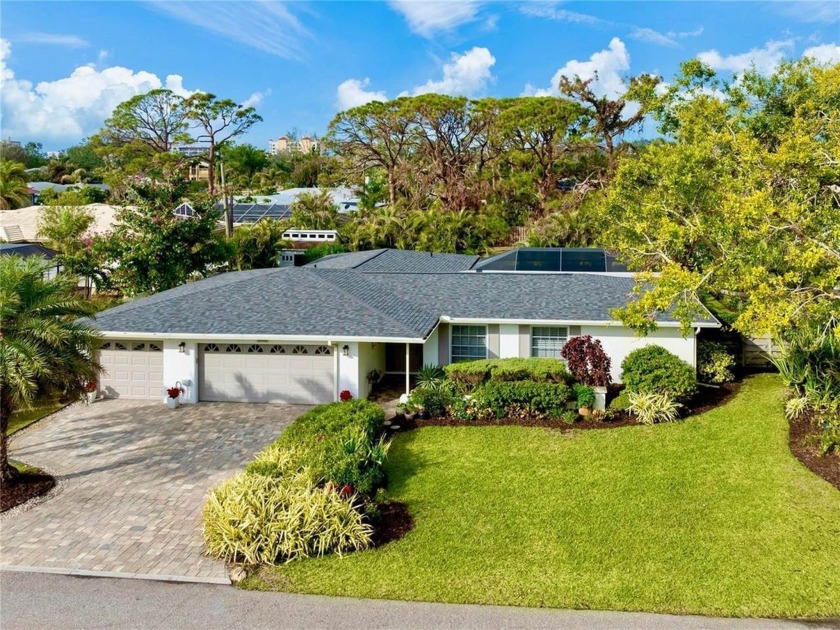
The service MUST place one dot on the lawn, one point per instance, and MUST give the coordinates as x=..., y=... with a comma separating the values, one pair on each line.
x=711, y=516
x=23, y=418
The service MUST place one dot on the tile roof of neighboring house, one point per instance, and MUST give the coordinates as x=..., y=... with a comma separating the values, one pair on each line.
x=397, y=261
x=26, y=219
x=343, y=303
x=27, y=249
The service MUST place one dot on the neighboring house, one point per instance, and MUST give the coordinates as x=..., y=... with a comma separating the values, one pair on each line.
x=32, y=249
x=199, y=170
x=279, y=206
x=304, y=334
x=22, y=224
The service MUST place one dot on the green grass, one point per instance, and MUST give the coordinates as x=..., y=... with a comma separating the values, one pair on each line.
x=23, y=418
x=711, y=516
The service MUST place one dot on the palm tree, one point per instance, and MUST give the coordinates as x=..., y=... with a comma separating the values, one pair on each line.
x=43, y=345
x=14, y=192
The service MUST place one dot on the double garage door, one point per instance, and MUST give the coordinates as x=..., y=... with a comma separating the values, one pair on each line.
x=265, y=373
x=132, y=369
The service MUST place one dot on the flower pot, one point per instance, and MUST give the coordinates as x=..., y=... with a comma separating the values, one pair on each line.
x=172, y=403
x=90, y=397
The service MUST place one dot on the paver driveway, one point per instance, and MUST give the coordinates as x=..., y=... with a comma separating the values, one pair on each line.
x=132, y=478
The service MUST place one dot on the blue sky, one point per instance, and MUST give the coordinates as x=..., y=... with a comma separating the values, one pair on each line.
x=65, y=65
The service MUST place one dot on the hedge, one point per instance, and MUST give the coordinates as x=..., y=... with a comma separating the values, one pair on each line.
x=467, y=375
x=654, y=370
x=509, y=398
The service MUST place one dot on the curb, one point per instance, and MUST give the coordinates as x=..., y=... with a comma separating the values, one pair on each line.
x=116, y=574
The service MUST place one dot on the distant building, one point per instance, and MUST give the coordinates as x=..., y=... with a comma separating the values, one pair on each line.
x=285, y=144
x=191, y=150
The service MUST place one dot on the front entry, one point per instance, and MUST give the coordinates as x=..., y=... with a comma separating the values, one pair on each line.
x=395, y=358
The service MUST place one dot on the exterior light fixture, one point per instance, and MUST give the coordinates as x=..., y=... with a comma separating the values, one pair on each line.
x=345, y=350
x=182, y=347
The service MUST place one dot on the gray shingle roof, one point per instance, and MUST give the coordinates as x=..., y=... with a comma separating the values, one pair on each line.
x=397, y=261
x=344, y=303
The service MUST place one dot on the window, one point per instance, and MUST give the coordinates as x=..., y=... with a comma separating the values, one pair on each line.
x=547, y=341
x=468, y=343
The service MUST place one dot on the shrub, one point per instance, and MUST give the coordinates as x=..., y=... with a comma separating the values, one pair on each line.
x=795, y=407
x=810, y=364
x=259, y=519
x=467, y=375
x=714, y=363
x=620, y=402
x=570, y=417
x=587, y=361
x=431, y=377
x=523, y=397
x=352, y=461
x=653, y=369
x=651, y=408
x=434, y=401
x=345, y=395
x=585, y=396
x=331, y=419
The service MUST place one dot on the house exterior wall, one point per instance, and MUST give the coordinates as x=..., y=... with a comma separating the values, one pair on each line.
x=619, y=341
x=181, y=366
x=514, y=340
x=431, y=349
x=371, y=357
x=349, y=368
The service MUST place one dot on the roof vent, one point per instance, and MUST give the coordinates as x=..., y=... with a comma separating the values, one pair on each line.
x=12, y=233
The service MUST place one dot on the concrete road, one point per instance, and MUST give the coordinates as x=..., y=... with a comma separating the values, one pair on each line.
x=33, y=600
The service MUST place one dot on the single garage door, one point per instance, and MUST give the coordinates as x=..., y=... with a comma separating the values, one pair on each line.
x=133, y=369
x=266, y=373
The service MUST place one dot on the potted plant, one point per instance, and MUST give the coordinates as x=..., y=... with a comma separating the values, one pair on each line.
x=172, y=395
x=585, y=396
x=91, y=388
x=345, y=396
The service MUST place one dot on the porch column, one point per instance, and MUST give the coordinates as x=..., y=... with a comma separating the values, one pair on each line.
x=407, y=386
x=336, y=380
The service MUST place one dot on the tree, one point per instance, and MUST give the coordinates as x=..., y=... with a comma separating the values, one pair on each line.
x=31, y=155
x=242, y=163
x=740, y=203
x=14, y=191
x=314, y=211
x=43, y=345
x=151, y=250
x=157, y=119
x=65, y=229
x=610, y=118
x=256, y=245
x=218, y=121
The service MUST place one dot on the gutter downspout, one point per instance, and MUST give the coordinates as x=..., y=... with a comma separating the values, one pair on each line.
x=407, y=368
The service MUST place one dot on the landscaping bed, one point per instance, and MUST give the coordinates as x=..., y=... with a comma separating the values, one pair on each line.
x=28, y=484
x=825, y=466
x=711, y=515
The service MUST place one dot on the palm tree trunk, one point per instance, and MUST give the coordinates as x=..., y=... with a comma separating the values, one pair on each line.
x=7, y=471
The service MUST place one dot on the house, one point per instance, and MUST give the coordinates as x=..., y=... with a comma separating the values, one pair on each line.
x=251, y=209
x=286, y=144
x=22, y=224
x=25, y=250
x=305, y=334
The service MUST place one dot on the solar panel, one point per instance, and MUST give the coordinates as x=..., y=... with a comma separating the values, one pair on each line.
x=538, y=260
x=584, y=260
x=253, y=212
x=502, y=262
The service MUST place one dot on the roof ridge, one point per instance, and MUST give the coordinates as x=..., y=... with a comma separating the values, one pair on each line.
x=381, y=290
x=378, y=253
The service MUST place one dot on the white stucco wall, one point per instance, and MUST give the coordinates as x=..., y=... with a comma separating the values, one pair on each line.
x=348, y=368
x=508, y=341
x=618, y=342
x=430, y=349
x=181, y=366
x=371, y=357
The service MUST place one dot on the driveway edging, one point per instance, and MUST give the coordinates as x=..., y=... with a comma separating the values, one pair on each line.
x=115, y=574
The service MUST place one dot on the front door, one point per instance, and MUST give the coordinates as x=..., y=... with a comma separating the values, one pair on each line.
x=395, y=357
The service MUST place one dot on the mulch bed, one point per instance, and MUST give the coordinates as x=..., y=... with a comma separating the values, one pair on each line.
x=25, y=486
x=825, y=466
x=710, y=398
x=396, y=522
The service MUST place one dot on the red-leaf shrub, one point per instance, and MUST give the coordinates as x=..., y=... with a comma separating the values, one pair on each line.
x=91, y=387
x=587, y=361
x=345, y=395
x=174, y=392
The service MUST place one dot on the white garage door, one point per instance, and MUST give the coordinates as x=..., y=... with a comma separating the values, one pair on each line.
x=133, y=369
x=266, y=373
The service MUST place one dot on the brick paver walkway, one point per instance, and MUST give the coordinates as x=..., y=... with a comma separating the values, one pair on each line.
x=132, y=478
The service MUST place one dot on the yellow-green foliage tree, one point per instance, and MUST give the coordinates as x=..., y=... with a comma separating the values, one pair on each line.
x=740, y=200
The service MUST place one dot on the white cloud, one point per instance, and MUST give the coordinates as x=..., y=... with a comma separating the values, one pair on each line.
x=823, y=11
x=605, y=67
x=550, y=11
x=266, y=25
x=426, y=17
x=52, y=39
x=765, y=59
x=826, y=53
x=73, y=107
x=465, y=75
x=256, y=98
x=352, y=93
x=651, y=36
x=683, y=34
